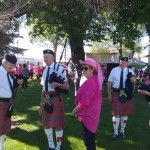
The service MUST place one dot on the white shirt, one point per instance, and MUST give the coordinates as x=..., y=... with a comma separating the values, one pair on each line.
x=114, y=76
x=82, y=80
x=5, y=91
x=59, y=73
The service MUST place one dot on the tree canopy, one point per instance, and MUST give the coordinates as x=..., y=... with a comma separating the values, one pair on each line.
x=121, y=21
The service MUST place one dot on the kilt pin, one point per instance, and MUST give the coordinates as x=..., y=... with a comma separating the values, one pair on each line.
x=118, y=108
x=56, y=118
x=5, y=122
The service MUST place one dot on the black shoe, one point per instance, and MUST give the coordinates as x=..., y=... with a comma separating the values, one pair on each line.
x=50, y=148
x=122, y=135
x=114, y=137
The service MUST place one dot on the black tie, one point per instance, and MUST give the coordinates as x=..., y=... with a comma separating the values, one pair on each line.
x=46, y=81
x=11, y=87
x=121, y=80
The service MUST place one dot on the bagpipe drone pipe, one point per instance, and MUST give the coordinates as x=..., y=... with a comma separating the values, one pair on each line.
x=54, y=77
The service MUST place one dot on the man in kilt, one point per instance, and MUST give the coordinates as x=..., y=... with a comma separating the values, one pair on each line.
x=120, y=110
x=55, y=118
x=7, y=86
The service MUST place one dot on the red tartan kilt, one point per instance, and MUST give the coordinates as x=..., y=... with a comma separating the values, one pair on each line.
x=5, y=122
x=55, y=119
x=122, y=108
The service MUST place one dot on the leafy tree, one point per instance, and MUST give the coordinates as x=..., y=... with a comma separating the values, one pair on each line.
x=124, y=30
x=90, y=21
x=83, y=20
x=10, y=10
x=66, y=17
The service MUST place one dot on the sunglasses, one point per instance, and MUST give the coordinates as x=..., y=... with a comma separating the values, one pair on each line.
x=85, y=68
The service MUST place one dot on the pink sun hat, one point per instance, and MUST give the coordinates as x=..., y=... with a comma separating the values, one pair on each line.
x=90, y=62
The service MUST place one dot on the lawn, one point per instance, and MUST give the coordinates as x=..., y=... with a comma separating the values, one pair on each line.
x=28, y=134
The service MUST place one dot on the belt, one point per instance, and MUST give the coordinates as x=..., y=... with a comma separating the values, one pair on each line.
x=116, y=90
x=49, y=95
x=5, y=99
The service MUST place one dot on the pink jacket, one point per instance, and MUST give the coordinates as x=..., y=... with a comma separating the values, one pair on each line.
x=89, y=99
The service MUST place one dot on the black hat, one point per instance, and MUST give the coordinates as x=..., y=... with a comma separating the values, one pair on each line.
x=48, y=51
x=10, y=58
x=124, y=59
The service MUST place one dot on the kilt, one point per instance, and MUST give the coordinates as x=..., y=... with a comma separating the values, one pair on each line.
x=5, y=122
x=57, y=117
x=122, y=108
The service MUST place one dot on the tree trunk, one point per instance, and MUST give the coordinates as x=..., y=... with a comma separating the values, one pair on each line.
x=1, y=42
x=120, y=49
x=77, y=53
x=77, y=50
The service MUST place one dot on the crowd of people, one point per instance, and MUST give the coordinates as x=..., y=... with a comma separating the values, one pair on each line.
x=88, y=97
x=27, y=71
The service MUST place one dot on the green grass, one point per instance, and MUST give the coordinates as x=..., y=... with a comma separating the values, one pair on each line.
x=28, y=134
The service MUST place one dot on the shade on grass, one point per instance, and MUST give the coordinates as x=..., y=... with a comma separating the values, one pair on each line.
x=28, y=134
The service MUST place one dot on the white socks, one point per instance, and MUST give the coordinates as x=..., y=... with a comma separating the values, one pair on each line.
x=2, y=139
x=123, y=123
x=49, y=133
x=59, y=135
x=115, y=122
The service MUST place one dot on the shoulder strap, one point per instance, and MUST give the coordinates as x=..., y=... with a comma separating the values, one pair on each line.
x=54, y=66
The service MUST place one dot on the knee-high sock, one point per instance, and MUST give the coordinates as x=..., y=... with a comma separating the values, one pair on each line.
x=2, y=139
x=123, y=123
x=59, y=135
x=115, y=121
x=49, y=133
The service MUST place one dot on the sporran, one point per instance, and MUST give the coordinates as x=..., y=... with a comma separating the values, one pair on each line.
x=123, y=97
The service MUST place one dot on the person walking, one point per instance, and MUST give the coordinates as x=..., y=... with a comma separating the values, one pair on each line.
x=89, y=100
x=38, y=72
x=7, y=86
x=116, y=86
x=19, y=71
x=25, y=73
x=31, y=69
x=53, y=118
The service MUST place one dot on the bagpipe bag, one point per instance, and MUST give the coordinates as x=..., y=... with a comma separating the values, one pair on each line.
x=54, y=77
x=129, y=86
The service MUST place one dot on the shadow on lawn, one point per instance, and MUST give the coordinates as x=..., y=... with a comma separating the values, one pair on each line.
x=137, y=126
x=34, y=138
x=137, y=129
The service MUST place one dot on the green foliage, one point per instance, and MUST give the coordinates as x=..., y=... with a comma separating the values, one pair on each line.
x=85, y=20
x=123, y=26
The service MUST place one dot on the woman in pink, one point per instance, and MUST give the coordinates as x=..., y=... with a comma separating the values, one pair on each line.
x=38, y=72
x=89, y=101
x=19, y=71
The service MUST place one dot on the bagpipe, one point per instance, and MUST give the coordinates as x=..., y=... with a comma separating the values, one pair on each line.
x=129, y=86
x=54, y=77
